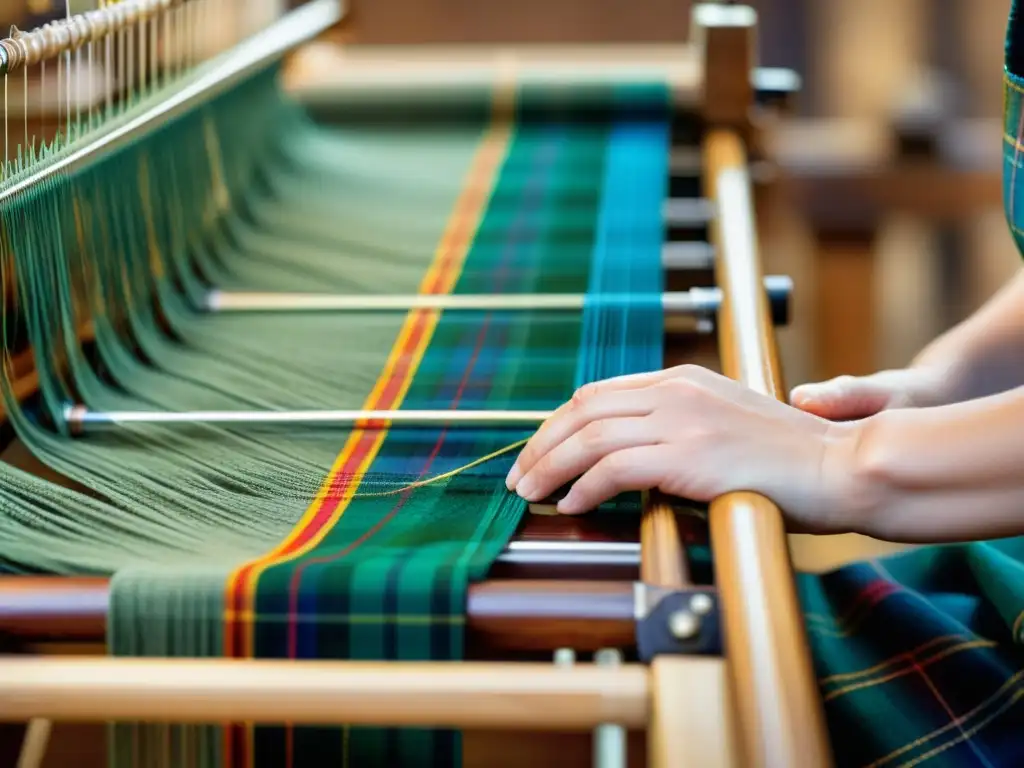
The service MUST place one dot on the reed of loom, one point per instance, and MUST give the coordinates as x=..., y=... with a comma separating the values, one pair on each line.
x=757, y=705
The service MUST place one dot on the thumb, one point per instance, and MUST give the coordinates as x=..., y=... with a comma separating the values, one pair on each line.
x=842, y=398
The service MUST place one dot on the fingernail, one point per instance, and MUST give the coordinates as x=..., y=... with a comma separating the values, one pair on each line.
x=513, y=477
x=567, y=506
x=802, y=396
x=525, y=488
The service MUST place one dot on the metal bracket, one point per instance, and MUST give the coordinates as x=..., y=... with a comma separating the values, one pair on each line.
x=676, y=622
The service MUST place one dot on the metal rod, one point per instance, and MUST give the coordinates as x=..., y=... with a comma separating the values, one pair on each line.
x=609, y=738
x=695, y=301
x=248, y=57
x=80, y=418
x=572, y=559
x=558, y=546
x=687, y=255
x=687, y=212
x=572, y=553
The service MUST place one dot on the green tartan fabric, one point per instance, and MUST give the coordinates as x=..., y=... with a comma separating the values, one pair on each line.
x=919, y=656
x=389, y=579
x=230, y=541
x=178, y=516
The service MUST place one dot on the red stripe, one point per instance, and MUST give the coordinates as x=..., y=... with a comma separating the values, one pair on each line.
x=238, y=745
x=293, y=587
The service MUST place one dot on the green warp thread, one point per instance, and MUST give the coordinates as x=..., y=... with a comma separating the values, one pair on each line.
x=248, y=192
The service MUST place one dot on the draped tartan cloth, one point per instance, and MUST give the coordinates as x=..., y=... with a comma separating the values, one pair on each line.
x=919, y=655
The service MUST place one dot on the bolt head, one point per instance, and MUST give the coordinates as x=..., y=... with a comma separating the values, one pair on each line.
x=683, y=625
x=701, y=604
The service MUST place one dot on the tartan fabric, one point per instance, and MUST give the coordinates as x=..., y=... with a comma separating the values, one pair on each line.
x=575, y=208
x=1013, y=125
x=919, y=656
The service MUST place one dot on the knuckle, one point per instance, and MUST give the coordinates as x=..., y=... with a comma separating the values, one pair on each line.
x=584, y=394
x=592, y=436
x=543, y=467
x=613, y=466
x=673, y=389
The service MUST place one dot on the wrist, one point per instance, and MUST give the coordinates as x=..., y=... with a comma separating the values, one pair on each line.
x=854, y=475
x=947, y=380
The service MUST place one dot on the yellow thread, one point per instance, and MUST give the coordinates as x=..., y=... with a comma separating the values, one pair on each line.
x=445, y=475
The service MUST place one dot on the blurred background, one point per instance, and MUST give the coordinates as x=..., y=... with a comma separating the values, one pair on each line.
x=885, y=206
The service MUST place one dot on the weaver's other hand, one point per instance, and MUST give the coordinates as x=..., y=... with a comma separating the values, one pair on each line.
x=851, y=397
x=690, y=433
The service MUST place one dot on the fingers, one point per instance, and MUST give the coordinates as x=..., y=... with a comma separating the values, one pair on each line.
x=607, y=403
x=632, y=469
x=582, y=450
x=618, y=383
x=842, y=398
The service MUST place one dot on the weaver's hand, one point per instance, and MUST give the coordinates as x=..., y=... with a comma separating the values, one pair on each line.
x=690, y=433
x=850, y=397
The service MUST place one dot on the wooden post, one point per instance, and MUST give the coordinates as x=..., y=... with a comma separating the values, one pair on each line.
x=845, y=313
x=691, y=720
x=779, y=717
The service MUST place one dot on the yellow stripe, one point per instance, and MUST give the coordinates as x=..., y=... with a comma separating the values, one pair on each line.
x=483, y=170
x=496, y=142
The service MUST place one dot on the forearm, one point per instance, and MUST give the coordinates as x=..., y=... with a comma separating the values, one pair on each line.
x=949, y=473
x=984, y=354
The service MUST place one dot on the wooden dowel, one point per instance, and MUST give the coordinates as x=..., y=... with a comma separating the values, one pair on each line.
x=37, y=740
x=437, y=694
x=503, y=615
x=691, y=724
x=324, y=73
x=662, y=558
x=780, y=718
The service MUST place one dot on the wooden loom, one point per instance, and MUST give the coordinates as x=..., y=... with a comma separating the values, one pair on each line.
x=723, y=676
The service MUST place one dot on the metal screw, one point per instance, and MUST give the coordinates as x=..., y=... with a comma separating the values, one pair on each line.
x=607, y=657
x=565, y=657
x=701, y=604
x=683, y=625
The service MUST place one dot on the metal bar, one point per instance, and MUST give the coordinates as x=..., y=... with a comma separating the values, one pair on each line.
x=243, y=60
x=695, y=301
x=687, y=212
x=572, y=559
x=80, y=418
x=687, y=255
x=572, y=553
x=432, y=694
x=609, y=738
x=682, y=302
x=558, y=546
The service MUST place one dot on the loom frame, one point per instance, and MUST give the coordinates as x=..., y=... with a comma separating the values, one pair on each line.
x=755, y=705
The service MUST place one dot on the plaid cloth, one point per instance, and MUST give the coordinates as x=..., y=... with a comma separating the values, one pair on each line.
x=574, y=206
x=919, y=655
